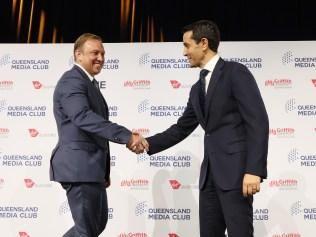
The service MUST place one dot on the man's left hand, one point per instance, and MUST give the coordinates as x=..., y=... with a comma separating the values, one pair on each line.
x=251, y=185
x=107, y=183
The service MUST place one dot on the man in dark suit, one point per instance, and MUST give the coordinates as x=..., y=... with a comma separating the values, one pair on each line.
x=81, y=159
x=226, y=102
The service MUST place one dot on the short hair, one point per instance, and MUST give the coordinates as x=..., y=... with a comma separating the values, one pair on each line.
x=204, y=29
x=82, y=39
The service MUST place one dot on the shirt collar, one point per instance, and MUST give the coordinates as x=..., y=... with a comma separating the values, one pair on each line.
x=85, y=71
x=211, y=64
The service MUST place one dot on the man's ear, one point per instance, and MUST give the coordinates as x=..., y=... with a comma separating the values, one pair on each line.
x=77, y=55
x=204, y=42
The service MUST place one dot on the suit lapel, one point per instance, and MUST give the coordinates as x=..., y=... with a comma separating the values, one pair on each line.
x=212, y=86
x=100, y=102
x=98, y=97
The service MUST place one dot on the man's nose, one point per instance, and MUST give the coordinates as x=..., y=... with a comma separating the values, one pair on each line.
x=100, y=57
x=184, y=52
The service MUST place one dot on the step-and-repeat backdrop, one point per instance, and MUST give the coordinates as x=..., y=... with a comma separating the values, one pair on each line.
x=146, y=86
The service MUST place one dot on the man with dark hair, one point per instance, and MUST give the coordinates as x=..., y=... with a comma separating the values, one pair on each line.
x=81, y=159
x=226, y=102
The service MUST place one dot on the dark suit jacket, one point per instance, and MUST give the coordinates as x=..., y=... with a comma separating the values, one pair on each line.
x=235, y=123
x=82, y=153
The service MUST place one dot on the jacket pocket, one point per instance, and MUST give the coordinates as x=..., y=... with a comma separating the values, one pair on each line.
x=83, y=146
x=236, y=147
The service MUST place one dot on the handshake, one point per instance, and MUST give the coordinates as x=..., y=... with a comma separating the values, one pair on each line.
x=137, y=143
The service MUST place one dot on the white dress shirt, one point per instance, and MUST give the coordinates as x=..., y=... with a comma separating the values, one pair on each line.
x=85, y=71
x=210, y=67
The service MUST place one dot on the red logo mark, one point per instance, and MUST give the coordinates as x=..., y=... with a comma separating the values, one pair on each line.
x=37, y=85
x=29, y=183
x=175, y=84
x=142, y=131
x=23, y=234
x=314, y=82
x=33, y=132
x=173, y=235
x=4, y=130
x=174, y=184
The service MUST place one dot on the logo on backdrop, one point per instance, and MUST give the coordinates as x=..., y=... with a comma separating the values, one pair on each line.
x=20, y=160
x=282, y=132
x=138, y=234
x=279, y=83
x=29, y=183
x=173, y=235
x=71, y=61
x=178, y=85
x=111, y=64
x=137, y=84
x=3, y=105
x=114, y=111
x=24, y=234
x=64, y=209
x=163, y=63
x=300, y=210
x=301, y=110
x=142, y=131
x=261, y=214
x=288, y=58
x=18, y=111
x=102, y=84
x=284, y=184
x=176, y=185
x=37, y=85
x=249, y=62
x=164, y=161
x=4, y=132
x=19, y=212
x=178, y=214
x=135, y=184
x=36, y=64
x=160, y=110
x=286, y=235
x=2, y=182
x=304, y=159
x=5, y=60
x=6, y=85
x=34, y=133
x=113, y=160
x=314, y=82
x=110, y=213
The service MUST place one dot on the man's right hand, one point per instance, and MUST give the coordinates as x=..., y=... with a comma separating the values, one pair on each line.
x=137, y=143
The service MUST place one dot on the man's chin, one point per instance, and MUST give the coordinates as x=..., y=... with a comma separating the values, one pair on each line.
x=97, y=71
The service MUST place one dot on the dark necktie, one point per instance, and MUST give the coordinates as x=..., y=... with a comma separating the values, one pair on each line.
x=95, y=83
x=203, y=74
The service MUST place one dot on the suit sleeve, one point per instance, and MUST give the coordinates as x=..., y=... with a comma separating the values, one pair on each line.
x=176, y=133
x=75, y=105
x=254, y=114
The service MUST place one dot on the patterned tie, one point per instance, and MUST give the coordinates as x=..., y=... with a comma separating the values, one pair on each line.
x=95, y=83
x=203, y=74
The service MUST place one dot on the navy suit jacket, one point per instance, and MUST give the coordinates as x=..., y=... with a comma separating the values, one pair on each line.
x=82, y=153
x=235, y=123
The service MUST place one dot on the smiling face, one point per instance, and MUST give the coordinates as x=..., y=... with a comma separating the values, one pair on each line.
x=91, y=56
x=197, y=53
